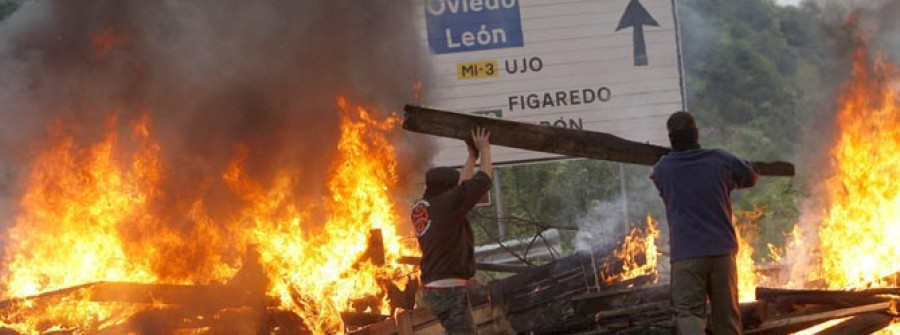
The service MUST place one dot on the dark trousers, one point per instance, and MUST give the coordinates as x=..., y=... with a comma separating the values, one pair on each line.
x=696, y=279
x=451, y=307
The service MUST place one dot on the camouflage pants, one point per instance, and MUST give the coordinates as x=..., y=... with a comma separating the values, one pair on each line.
x=451, y=307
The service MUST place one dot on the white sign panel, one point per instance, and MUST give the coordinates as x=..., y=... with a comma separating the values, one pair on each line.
x=604, y=65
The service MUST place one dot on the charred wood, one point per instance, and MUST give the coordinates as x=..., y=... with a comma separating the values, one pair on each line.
x=374, y=253
x=791, y=324
x=783, y=298
x=662, y=307
x=360, y=319
x=592, y=303
x=768, y=293
x=860, y=325
x=753, y=313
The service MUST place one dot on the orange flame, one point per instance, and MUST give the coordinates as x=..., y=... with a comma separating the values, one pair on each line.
x=858, y=238
x=67, y=233
x=638, y=254
x=861, y=227
x=107, y=39
x=316, y=272
x=750, y=273
x=91, y=213
x=747, y=278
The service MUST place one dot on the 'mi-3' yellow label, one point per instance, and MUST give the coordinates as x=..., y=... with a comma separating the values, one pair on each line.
x=476, y=70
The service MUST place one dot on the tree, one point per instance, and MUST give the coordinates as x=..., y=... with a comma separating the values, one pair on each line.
x=7, y=7
x=754, y=73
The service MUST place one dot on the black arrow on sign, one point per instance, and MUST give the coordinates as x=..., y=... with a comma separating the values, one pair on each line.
x=636, y=16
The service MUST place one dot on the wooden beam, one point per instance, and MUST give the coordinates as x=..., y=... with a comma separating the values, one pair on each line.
x=840, y=298
x=192, y=297
x=860, y=325
x=659, y=306
x=787, y=322
x=753, y=313
x=562, y=141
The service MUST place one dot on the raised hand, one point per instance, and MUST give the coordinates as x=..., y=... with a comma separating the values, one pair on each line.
x=481, y=138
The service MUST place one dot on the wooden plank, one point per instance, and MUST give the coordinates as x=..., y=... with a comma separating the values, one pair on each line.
x=591, y=303
x=546, y=292
x=768, y=293
x=193, y=297
x=860, y=325
x=753, y=313
x=568, y=142
x=772, y=325
x=840, y=298
x=650, y=306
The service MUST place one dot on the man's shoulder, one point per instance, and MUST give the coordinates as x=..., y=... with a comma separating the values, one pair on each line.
x=724, y=154
x=447, y=198
x=676, y=159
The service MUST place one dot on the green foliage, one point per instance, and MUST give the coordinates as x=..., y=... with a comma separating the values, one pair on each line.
x=754, y=73
x=549, y=194
x=756, y=80
x=7, y=7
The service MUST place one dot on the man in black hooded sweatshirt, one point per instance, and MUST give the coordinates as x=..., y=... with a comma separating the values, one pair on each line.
x=695, y=185
x=445, y=237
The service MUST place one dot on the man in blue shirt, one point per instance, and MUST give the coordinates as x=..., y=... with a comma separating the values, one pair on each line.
x=695, y=185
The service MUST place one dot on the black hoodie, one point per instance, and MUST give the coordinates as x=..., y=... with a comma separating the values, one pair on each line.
x=445, y=237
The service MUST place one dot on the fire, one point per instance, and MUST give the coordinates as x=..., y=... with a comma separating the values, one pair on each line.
x=750, y=273
x=317, y=272
x=638, y=253
x=747, y=232
x=67, y=232
x=91, y=212
x=859, y=234
x=106, y=40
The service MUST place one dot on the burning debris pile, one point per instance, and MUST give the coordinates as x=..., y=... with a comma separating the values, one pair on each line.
x=81, y=279
x=187, y=174
x=541, y=299
x=203, y=167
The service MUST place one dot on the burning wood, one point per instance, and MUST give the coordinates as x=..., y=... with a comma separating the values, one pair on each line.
x=556, y=296
x=93, y=249
x=793, y=310
x=792, y=323
x=862, y=324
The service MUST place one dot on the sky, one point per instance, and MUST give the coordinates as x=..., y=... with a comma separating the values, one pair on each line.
x=787, y=2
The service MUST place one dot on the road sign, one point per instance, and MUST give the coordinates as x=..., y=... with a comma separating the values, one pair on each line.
x=605, y=65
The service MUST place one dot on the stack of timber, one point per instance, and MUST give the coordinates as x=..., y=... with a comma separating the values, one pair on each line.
x=561, y=298
x=238, y=306
x=554, y=298
x=862, y=311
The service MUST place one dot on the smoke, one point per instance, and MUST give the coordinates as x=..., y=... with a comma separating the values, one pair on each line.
x=601, y=226
x=213, y=75
x=607, y=220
